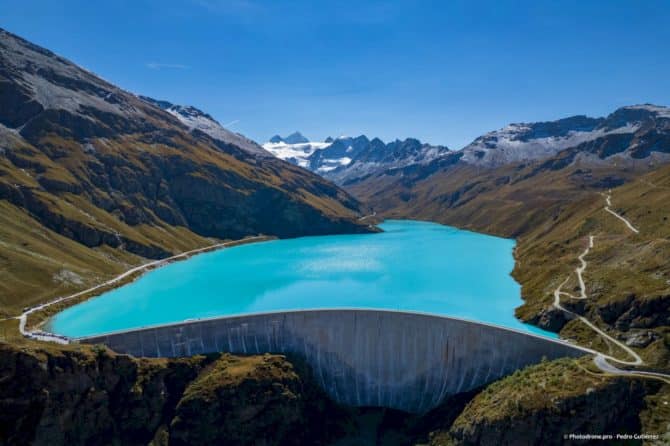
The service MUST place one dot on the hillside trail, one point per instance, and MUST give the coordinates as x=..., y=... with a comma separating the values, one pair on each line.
x=51, y=337
x=608, y=200
x=601, y=359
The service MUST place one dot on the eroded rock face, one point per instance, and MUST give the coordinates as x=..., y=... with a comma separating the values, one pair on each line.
x=640, y=338
x=551, y=319
x=83, y=398
x=96, y=397
x=255, y=400
x=631, y=313
x=598, y=411
x=90, y=396
x=543, y=403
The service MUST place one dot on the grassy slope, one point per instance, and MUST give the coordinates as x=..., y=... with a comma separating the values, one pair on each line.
x=85, y=163
x=32, y=254
x=623, y=267
x=551, y=213
x=35, y=262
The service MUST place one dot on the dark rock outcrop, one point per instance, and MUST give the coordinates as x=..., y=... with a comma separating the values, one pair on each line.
x=544, y=404
x=612, y=409
x=93, y=396
x=632, y=313
x=550, y=318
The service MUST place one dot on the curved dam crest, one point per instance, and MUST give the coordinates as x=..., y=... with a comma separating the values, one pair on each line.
x=401, y=360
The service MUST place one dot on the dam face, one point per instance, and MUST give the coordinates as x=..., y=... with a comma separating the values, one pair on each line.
x=404, y=361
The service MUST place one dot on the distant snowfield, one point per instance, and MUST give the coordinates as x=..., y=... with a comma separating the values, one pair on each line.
x=333, y=163
x=298, y=153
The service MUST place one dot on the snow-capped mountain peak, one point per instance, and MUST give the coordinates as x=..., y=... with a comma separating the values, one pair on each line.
x=294, y=138
x=345, y=157
x=530, y=141
x=295, y=148
x=658, y=110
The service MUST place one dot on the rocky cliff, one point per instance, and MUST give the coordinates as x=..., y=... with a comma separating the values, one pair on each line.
x=545, y=403
x=79, y=396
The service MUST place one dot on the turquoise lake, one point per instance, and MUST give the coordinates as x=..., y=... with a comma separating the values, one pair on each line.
x=412, y=265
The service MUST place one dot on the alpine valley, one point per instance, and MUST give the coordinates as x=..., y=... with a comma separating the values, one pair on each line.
x=95, y=180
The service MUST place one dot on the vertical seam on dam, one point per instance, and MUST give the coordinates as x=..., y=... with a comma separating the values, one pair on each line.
x=401, y=360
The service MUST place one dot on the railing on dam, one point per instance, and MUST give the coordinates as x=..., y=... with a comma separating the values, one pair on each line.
x=406, y=361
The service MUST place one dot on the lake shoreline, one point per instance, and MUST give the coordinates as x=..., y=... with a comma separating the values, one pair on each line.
x=33, y=319
x=411, y=266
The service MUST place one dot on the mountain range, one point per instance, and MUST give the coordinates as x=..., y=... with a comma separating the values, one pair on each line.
x=93, y=178
x=346, y=159
x=633, y=132
x=514, y=164
x=629, y=136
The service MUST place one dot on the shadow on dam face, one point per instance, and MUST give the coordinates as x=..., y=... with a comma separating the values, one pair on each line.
x=400, y=360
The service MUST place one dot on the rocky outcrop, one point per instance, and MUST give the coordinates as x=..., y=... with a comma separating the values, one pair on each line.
x=610, y=409
x=549, y=318
x=79, y=395
x=251, y=400
x=634, y=313
x=83, y=397
x=544, y=404
x=92, y=396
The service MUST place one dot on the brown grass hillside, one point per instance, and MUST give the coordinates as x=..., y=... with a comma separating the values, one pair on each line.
x=551, y=213
x=94, y=179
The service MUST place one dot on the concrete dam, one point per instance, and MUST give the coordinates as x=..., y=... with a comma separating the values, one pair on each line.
x=401, y=360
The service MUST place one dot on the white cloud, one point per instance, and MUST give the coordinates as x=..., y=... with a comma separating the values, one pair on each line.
x=161, y=66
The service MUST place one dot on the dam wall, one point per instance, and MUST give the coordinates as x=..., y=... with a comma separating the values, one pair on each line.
x=401, y=360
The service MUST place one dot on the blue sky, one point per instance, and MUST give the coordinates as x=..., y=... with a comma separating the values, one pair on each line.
x=442, y=71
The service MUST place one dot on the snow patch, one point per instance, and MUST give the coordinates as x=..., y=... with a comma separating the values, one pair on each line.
x=662, y=112
x=507, y=146
x=299, y=152
x=194, y=119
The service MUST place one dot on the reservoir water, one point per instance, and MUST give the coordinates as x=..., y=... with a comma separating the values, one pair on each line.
x=416, y=266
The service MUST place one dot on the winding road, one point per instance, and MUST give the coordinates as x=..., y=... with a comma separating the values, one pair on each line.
x=374, y=214
x=601, y=359
x=601, y=362
x=608, y=200
x=50, y=337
